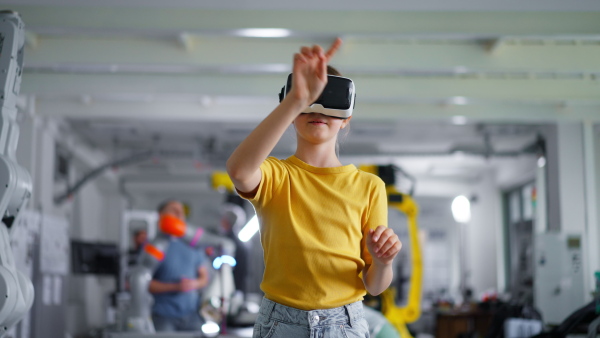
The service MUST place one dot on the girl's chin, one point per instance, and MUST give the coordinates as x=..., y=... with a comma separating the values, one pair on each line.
x=317, y=139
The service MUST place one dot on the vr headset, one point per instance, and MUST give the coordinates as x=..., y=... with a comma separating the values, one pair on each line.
x=337, y=99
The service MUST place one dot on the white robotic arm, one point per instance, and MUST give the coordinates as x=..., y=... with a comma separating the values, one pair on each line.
x=16, y=290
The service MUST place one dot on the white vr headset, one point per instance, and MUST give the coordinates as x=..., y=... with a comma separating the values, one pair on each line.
x=337, y=99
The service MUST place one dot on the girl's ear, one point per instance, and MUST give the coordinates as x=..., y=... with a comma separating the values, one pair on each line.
x=346, y=122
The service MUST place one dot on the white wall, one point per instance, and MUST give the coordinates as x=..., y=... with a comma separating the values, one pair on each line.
x=482, y=229
x=96, y=218
x=483, y=245
x=438, y=232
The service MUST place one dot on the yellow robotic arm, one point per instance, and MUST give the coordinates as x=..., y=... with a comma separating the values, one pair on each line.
x=220, y=181
x=400, y=316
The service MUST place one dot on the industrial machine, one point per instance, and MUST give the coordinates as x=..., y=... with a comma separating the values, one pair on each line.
x=409, y=313
x=16, y=290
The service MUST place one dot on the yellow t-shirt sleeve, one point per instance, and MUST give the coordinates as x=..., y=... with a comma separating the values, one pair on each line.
x=377, y=215
x=272, y=170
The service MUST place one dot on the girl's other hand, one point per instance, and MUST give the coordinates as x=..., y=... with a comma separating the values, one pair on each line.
x=310, y=71
x=383, y=244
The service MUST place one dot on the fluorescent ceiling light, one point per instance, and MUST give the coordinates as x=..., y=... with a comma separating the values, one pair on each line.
x=459, y=120
x=541, y=162
x=458, y=100
x=461, y=209
x=264, y=32
x=461, y=70
x=249, y=229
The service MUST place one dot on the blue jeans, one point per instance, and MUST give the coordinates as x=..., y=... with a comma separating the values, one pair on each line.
x=276, y=320
x=191, y=322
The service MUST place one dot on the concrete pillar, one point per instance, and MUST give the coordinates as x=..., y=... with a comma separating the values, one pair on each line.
x=561, y=250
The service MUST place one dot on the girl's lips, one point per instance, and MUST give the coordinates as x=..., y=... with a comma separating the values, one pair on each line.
x=317, y=122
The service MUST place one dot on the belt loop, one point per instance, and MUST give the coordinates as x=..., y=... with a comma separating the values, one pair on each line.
x=269, y=305
x=351, y=314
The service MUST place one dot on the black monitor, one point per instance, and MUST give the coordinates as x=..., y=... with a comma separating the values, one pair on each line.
x=94, y=258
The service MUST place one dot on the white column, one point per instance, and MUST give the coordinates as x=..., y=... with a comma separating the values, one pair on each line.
x=560, y=248
x=481, y=241
x=591, y=146
x=572, y=187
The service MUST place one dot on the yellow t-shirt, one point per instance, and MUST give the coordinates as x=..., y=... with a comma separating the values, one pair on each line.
x=313, y=225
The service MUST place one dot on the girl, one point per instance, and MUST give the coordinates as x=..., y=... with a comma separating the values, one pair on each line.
x=323, y=225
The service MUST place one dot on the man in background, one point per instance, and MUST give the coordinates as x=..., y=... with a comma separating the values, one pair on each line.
x=176, y=283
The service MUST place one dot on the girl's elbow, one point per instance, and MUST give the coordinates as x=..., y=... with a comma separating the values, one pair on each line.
x=372, y=289
x=232, y=170
x=374, y=292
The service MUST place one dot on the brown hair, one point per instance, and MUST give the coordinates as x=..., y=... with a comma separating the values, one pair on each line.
x=161, y=207
x=332, y=71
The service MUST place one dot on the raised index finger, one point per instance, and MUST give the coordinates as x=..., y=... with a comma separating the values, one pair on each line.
x=333, y=48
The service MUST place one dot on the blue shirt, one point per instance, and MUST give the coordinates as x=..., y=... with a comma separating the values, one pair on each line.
x=180, y=261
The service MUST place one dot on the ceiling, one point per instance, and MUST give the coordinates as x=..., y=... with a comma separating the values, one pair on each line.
x=433, y=77
x=333, y=5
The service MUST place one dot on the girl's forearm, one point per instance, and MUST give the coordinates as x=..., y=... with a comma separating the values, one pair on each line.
x=377, y=277
x=245, y=161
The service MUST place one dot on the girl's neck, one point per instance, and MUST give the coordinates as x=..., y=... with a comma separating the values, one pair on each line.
x=318, y=155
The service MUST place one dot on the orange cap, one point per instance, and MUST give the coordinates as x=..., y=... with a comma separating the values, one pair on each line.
x=172, y=225
x=154, y=252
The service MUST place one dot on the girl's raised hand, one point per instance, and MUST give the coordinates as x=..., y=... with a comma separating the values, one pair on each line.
x=310, y=71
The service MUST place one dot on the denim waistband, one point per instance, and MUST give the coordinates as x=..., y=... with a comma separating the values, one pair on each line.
x=347, y=314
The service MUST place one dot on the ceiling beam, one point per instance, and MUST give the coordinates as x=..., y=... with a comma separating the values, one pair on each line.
x=187, y=53
x=204, y=89
x=243, y=112
x=339, y=22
